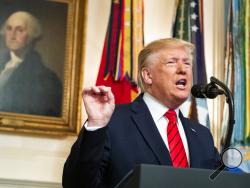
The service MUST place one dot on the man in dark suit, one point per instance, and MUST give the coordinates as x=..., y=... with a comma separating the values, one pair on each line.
x=117, y=138
x=26, y=84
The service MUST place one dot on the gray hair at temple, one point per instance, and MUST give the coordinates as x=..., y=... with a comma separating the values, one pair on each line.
x=33, y=25
x=156, y=46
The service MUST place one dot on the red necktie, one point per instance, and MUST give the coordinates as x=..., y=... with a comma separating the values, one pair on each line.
x=176, y=148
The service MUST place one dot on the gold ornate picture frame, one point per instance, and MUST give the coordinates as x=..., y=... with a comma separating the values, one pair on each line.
x=60, y=51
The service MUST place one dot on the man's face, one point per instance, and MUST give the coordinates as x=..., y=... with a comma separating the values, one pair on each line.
x=171, y=76
x=16, y=34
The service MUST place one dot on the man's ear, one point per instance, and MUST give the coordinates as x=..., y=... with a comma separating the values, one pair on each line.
x=146, y=75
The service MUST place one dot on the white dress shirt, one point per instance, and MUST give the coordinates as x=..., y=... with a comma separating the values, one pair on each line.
x=9, y=68
x=157, y=111
x=13, y=63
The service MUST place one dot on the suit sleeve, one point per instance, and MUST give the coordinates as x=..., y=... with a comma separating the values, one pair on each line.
x=88, y=160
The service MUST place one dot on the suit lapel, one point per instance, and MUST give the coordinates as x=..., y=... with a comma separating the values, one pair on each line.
x=193, y=141
x=4, y=58
x=146, y=126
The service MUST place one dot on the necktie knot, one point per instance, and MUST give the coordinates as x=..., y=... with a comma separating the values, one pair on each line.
x=171, y=115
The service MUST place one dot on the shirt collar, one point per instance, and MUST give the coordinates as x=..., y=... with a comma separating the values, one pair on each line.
x=156, y=108
x=15, y=58
x=14, y=61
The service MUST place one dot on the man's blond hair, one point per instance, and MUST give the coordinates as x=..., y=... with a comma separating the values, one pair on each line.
x=156, y=46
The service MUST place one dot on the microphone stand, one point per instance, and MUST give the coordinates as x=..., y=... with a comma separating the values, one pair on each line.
x=230, y=101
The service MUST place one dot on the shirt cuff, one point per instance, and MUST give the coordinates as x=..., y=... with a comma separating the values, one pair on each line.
x=91, y=128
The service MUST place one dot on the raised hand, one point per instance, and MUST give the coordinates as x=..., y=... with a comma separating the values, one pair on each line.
x=99, y=104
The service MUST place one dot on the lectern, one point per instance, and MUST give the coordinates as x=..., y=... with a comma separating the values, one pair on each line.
x=154, y=176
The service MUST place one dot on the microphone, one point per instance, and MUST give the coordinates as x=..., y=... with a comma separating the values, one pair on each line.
x=210, y=91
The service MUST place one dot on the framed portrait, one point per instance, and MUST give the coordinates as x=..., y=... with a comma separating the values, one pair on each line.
x=41, y=65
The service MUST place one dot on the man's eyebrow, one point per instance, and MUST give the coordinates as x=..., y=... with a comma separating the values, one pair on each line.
x=187, y=59
x=16, y=26
x=175, y=58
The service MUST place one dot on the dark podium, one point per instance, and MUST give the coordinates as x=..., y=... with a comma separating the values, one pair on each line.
x=154, y=176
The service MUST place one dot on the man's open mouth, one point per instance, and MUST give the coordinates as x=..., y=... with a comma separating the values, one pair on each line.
x=181, y=83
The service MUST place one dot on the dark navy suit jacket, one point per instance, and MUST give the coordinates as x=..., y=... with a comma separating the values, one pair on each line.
x=101, y=158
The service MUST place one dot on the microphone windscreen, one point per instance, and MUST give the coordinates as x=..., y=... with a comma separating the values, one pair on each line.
x=212, y=91
x=198, y=91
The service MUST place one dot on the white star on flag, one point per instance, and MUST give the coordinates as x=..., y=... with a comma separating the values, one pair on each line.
x=194, y=28
x=192, y=4
x=194, y=16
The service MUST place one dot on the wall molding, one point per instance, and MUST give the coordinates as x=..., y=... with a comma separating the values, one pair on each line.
x=11, y=183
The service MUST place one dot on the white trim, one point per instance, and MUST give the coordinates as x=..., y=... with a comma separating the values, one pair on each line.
x=9, y=183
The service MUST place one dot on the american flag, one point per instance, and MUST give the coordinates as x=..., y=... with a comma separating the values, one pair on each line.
x=189, y=26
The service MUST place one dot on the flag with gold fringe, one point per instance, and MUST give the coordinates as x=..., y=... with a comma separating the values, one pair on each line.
x=239, y=68
x=123, y=41
x=247, y=68
x=189, y=26
x=228, y=66
x=237, y=74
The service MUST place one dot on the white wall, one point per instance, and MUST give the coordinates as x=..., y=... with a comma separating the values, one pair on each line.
x=33, y=158
x=41, y=159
